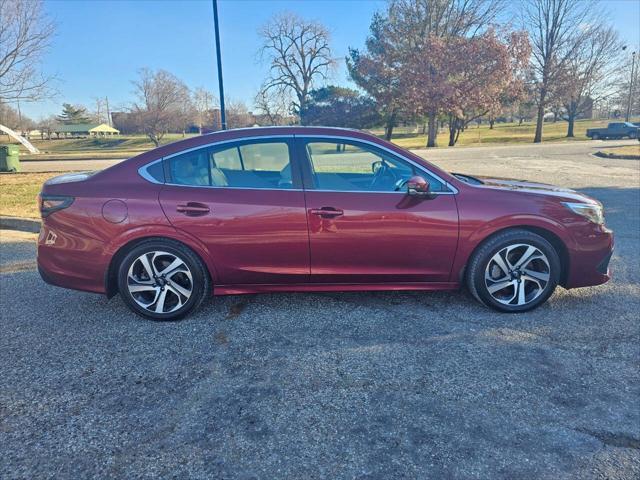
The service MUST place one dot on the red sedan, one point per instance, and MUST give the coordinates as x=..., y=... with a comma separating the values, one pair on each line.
x=311, y=209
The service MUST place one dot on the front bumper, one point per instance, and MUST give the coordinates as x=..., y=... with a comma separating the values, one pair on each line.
x=590, y=258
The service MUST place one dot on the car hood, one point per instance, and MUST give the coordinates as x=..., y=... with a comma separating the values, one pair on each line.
x=525, y=186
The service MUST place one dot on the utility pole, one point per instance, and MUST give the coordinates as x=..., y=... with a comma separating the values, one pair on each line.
x=106, y=99
x=633, y=64
x=223, y=117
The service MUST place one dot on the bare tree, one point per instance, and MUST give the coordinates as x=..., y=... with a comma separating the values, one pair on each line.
x=13, y=118
x=25, y=34
x=47, y=125
x=589, y=75
x=627, y=96
x=203, y=103
x=298, y=54
x=416, y=19
x=274, y=105
x=99, y=113
x=238, y=115
x=557, y=31
x=163, y=104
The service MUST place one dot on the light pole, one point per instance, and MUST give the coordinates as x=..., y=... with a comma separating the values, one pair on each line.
x=633, y=64
x=223, y=116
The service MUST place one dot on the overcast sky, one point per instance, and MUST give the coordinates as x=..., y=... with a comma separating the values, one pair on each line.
x=100, y=45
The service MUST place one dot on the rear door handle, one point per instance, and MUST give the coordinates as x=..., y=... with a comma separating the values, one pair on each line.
x=326, y=212
x=193, y=209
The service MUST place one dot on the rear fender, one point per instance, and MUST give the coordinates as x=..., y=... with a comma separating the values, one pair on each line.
x=162, y=231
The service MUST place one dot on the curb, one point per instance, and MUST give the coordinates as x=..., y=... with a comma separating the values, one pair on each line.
x=22, y=224
x=614, y=156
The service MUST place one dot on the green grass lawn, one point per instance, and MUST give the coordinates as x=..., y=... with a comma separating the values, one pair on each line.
x=19, y=192
x=626, y=151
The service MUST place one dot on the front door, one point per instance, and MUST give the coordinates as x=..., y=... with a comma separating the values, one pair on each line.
x=363, y=227
x=244, y=201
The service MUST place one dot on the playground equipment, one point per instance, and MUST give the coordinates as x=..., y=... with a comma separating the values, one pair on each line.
x=19, y=138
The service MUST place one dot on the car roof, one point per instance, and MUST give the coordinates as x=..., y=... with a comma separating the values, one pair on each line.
x=251, y=132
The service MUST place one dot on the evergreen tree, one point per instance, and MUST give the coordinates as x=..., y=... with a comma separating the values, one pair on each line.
x=73, y=115
x=339, y=107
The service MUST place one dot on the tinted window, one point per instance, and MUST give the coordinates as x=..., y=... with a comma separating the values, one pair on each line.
x=248, y=165
x=156, y=171
x=356, y=167
x=191, y=168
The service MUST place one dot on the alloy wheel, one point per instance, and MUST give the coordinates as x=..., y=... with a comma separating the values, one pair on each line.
x=517, y=274
x=159, y=282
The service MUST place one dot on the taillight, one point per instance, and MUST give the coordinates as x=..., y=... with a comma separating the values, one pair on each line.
x=53, y=203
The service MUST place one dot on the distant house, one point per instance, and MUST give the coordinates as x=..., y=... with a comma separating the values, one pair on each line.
x=86, y=130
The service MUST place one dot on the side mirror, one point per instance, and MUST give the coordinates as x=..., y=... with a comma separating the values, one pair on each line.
x=417, y=186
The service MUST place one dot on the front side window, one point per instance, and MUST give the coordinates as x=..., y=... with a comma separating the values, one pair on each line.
x=340, y=166
x=242, y=165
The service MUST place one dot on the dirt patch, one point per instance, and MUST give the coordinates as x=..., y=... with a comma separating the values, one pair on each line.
x=236, y=310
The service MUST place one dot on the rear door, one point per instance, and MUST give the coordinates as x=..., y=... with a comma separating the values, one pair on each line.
x=244, y=201
x=363, y=228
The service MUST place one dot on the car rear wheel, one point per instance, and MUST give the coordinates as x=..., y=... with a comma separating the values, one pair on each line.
x=162, y=280
x=514, y=271
x=595, y=136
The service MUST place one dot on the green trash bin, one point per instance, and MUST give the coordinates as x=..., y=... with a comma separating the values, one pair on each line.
x=9, y=158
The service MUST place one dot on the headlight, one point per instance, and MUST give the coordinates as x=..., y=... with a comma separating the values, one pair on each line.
x=592, y=212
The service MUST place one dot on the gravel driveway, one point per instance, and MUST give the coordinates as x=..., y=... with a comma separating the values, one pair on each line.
x=354, y=385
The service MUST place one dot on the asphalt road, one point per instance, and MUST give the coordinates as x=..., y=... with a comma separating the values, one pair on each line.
x=354, y=385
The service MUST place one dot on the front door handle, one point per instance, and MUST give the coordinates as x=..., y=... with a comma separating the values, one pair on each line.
x=193, y=209
x=326, y=212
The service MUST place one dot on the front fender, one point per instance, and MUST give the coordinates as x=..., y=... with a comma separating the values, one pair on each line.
x=521, y=220
x=473, y=237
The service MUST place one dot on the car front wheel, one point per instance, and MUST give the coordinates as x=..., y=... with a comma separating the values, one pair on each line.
x=162, y=280
x=514, y=271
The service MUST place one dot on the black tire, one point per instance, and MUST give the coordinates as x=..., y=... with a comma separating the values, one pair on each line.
x=475, y=273
x=200, y=283
x=595, y=136
x=633, y=135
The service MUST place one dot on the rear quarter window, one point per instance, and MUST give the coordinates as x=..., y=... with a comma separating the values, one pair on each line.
x=156, y=171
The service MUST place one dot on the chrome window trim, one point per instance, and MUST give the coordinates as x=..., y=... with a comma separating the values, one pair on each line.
x=378, y=191
x=266, y=189
x=144, y=174
x=142, y=171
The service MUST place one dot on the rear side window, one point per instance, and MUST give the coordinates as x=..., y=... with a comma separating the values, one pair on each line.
x=191, y=168
x=156, y=171
x=244, y=165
